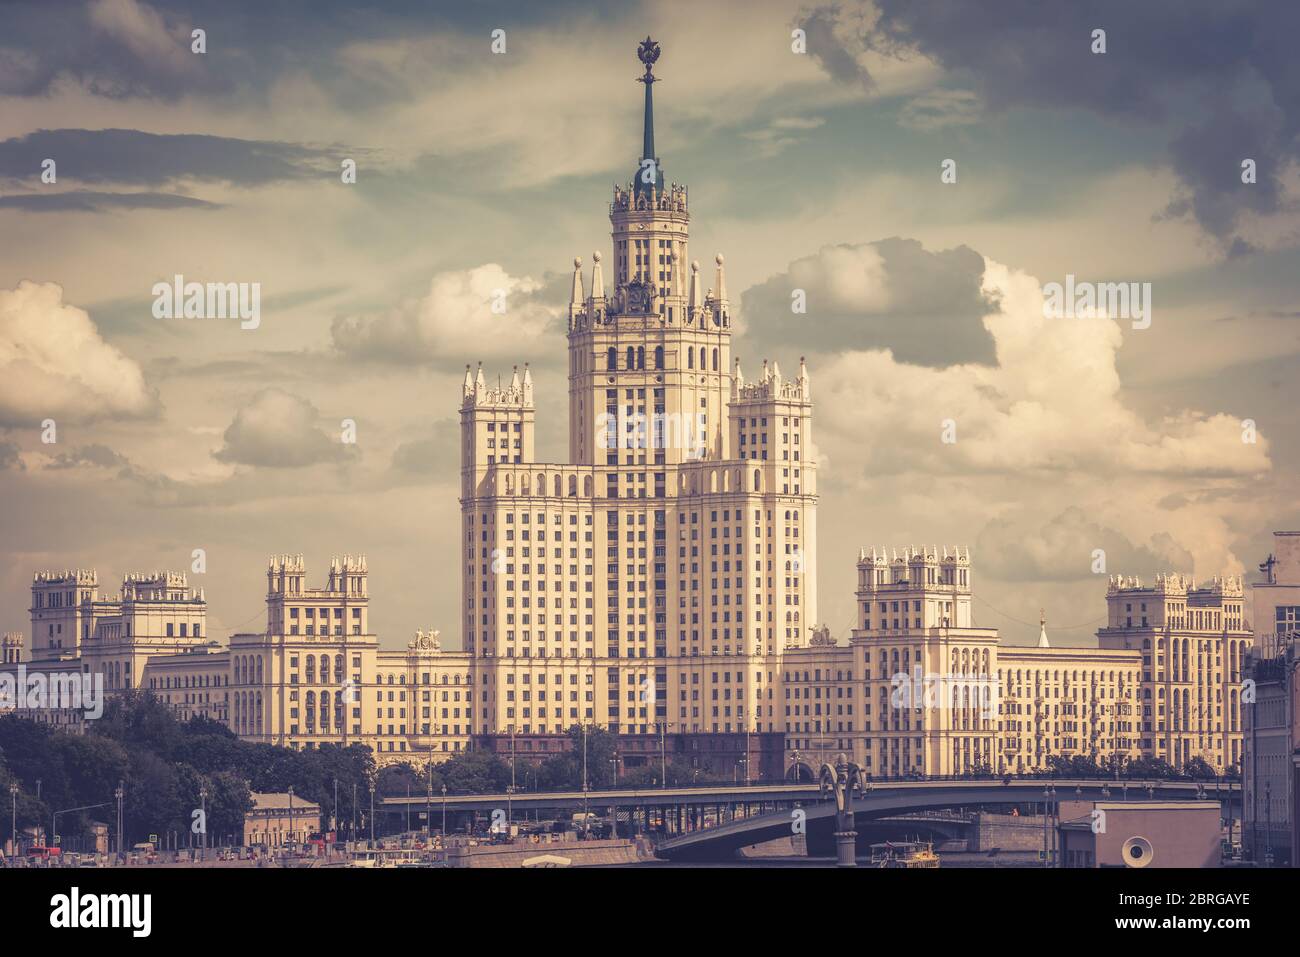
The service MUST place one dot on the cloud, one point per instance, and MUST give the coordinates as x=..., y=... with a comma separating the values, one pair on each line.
x=425, y=456
x=1020, y=548
x=11, y=457
x=138, y=158
x=54, y=364
x=455, y=320
x=142, y=30
x=89, y=201
x=94, y=455
x=925, y=306
x=939, y=108
x=781, y=133
x=1164, y=59
x=836, y=41
x=277, y=429
x=1051, y=404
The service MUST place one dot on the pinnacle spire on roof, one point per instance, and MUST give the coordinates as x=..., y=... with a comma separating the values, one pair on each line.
x=648, y=179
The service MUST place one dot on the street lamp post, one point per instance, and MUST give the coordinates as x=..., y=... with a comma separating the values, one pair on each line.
x=510, y=811
x=1049, y=795
x=748, y=745
x=118, y=793
x=1268, y=823
x=372, y=813
x=203, y=804
x=428, y=799
x=586, y=830
x=13, y=827
x=444, y=813
x=291, y=813
x=841, y=781
x=663, y=754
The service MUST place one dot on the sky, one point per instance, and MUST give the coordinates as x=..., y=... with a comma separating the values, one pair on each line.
x=814, y=139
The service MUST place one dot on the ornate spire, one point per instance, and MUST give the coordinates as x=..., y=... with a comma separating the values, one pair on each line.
x=648, y=53
x=1042, y=629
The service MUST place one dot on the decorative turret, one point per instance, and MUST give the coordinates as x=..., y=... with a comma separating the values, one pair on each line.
x=576, y=297
x=597, y=279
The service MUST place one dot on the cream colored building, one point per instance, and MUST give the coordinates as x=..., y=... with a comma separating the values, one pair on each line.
x=653, y=581
x=921, y=690
x=317, y=674
x=663, y=581
x=279, y=819
x=1193, y=641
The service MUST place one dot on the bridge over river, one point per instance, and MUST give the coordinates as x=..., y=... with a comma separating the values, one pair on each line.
x=713, y=822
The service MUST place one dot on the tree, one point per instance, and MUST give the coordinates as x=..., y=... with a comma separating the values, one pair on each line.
x=601, y=746
x=139, y=717
x=152, y=803
x=1198, y=769
x=474, y=772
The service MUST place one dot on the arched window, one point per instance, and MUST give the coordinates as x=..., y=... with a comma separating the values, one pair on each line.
x=640, y=357
x=758, y=480
x=611, y=359
x=715, y=360
x=659, y=357
x=690, y=358
x=631, y=358
x=703, y=361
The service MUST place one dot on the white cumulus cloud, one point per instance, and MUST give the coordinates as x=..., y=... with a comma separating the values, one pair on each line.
x=482, y=311
x=54, y=363
x=278, y=429
x=1052, y=402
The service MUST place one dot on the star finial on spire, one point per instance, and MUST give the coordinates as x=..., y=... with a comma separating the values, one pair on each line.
x=648, y=53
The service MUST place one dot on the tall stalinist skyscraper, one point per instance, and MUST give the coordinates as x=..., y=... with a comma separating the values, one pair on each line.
x=652, y=583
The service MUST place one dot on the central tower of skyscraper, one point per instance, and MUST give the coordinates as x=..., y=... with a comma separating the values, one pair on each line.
x=653, y=357
x=651, y=584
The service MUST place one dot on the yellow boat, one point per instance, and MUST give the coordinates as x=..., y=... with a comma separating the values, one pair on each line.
x=904, y=854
